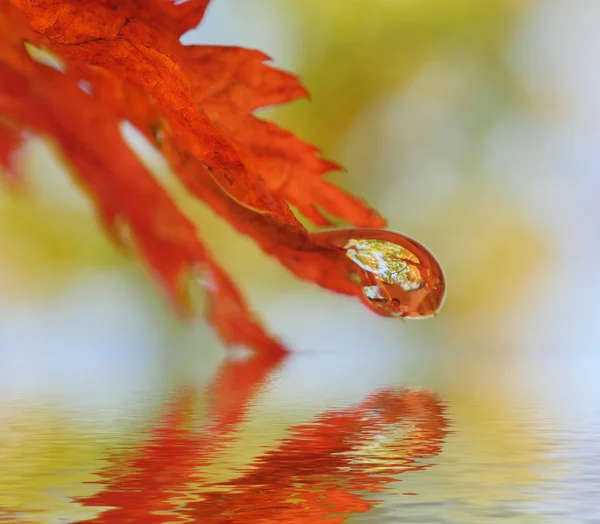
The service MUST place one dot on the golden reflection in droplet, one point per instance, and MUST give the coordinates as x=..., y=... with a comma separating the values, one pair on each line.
x=392, y=263
x=399, y=277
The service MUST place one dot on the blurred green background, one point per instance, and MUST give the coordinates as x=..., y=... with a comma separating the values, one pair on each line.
x=472, y=126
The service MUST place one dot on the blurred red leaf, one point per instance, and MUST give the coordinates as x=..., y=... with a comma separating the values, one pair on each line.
x=10, y=141
x=124, y=62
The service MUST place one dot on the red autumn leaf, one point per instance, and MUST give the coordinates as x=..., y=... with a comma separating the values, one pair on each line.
x=52, y=103
x=232, y=82
x=124, y=62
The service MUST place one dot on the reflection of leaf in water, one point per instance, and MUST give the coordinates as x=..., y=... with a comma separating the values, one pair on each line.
x=148, y=486
x=314, y=473
x=46, y=456
x=14, y=516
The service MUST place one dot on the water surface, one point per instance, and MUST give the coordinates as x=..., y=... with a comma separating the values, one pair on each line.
x=301, y=440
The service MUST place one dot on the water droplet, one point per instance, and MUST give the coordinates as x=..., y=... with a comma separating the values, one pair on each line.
x=399, y=276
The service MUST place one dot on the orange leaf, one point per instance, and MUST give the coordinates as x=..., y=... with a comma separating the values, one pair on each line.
x=124, y=61
x=229, y=83
x=48, y=101
x=147, y=55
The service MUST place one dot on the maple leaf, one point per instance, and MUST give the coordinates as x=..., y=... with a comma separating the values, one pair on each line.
x=195, y=104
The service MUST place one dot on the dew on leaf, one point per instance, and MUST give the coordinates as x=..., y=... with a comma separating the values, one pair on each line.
x=399, y=276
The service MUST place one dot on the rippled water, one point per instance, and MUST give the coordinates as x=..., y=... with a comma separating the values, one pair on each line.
x=302, y=440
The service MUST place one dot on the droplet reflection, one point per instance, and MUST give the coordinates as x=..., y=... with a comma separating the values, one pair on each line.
x=399, y=276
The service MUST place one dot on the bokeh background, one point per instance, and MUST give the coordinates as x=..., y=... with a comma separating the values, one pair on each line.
x=472, y=126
